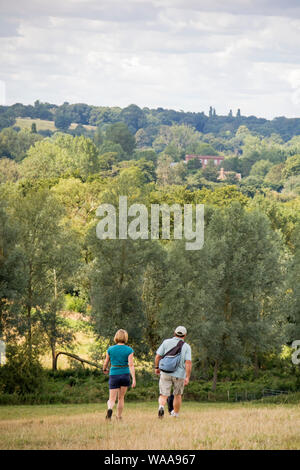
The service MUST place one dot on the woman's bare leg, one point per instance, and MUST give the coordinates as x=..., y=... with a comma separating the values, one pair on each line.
x=112, y=398
x=121, y=395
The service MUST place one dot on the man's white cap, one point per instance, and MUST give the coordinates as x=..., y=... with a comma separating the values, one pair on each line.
x=180, y=331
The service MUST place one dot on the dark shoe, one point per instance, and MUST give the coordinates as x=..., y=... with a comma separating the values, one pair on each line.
x=161, y=413
x=108, y=414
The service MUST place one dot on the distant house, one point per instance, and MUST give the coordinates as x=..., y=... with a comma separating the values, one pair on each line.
x=217, y=159
x=222, y=174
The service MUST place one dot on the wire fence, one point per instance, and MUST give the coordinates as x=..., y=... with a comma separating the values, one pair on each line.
x=248, y=396
x=235, y=396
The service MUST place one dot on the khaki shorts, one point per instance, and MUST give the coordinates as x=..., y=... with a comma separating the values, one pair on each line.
x=165, y=385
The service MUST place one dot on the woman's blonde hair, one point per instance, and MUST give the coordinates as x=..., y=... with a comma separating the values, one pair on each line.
x=121, y=336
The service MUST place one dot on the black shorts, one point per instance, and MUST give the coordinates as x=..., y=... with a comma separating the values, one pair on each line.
x=120, y=380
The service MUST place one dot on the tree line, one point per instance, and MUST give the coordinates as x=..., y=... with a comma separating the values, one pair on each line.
x=238, y=296
x=148, y=119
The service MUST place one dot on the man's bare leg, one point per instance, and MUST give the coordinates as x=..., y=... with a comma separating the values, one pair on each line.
x=162, y=400
x=161, y=405
x=177, y=403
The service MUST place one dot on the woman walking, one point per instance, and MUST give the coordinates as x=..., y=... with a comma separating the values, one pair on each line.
x=121, y=359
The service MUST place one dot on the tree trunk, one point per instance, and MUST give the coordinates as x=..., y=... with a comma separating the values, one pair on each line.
x=215, y=377
x=54, y=361
x=256, y=364
x=55, y=283
x=29, y=306
x=29, y=333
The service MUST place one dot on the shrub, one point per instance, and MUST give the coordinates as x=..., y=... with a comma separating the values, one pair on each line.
x=21, y=374
x=75, y=303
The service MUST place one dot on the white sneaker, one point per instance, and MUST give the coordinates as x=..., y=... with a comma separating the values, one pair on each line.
x=174, y=415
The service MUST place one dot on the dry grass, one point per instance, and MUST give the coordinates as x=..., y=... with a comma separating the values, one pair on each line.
x=43, y=124
x=200, y=426
x=86, y=126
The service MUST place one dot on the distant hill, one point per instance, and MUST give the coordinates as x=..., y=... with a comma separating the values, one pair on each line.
x=136, y=118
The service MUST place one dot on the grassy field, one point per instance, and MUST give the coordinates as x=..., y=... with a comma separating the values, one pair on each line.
x=42, y=124
x=200, y=426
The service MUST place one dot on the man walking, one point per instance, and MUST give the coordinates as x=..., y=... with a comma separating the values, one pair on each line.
x=179, y=378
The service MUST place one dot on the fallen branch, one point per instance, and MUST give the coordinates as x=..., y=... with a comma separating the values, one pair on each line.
x=74, y=356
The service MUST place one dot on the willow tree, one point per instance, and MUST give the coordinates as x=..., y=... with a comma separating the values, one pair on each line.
x=45, y=257
x=223, y=293
x=118, y=265
x=11, y=280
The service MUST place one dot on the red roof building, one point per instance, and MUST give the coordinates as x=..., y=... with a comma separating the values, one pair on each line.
x=217, y=159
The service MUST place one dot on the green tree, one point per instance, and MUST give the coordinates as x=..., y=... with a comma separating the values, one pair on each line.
x=232, y=163
x=147, y=168
x=145, y=136
x=62, y=120
x=98, y=137
x=119, y=134
x=293, y=290
x=210, y=172
x=193, y=165
x=220, y=196
x=62, y=155
x=252, y=185
x=61, y=272
x=164, y=170
x=38, y=216
x=147, y=154
x=261, y=168
x=201, y=148
x=107, y=160
x=283, y=218
x=222, y=292
x=11, y=280
x=155, y=281
x=292, y=185
x=9, y=170
x=134, y=117
x=111, y=147
x=117, y=269
x=15, y=144
x=175, y=139
x=275, y=175
x=292, y=166
x=169, y=172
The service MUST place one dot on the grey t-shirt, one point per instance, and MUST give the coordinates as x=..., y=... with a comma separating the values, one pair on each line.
x=186, y=355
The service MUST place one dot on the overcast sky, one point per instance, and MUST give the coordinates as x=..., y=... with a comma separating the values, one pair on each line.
x=179, y=54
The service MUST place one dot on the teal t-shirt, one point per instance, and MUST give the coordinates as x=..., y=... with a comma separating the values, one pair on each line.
x=118, y=355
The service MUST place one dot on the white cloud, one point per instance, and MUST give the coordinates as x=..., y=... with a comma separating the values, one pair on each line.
x=182, y=55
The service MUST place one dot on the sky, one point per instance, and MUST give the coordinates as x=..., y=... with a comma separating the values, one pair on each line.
x=176, y=54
